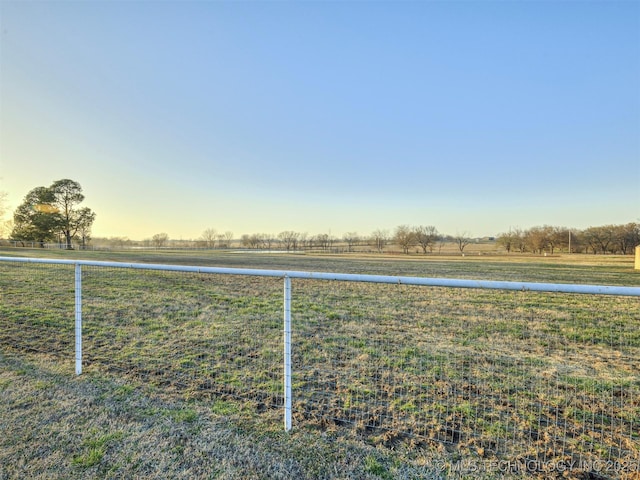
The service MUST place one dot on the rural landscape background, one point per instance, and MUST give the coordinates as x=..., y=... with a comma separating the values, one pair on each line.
x=55, y=217
x=183, y=375
x=463, y=140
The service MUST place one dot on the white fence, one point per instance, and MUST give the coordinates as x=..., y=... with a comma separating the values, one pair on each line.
x=536, y=371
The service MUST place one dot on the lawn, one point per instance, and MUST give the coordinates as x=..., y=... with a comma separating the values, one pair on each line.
x=183, y=372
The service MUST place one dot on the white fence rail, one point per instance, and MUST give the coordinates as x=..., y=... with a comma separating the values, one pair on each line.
x=434, y=366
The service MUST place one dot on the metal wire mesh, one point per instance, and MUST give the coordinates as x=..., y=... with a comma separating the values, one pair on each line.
x=535, y=378
x=37, y=309
x=199, y=334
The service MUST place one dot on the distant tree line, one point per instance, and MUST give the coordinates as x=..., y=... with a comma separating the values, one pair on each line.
x=288, y=240
x=621, y=239
x=425, y=239
x=53, y=214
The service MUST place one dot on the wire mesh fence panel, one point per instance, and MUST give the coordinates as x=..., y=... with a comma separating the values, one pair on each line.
x=526, y=377
x=199, y=334
x=37, y=309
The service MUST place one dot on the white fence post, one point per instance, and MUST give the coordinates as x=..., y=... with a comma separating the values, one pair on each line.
x=287, y=353
x=78, y=310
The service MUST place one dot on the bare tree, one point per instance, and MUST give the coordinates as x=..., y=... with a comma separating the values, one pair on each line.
x=324, y=240
x=600, y=238
x=520, y=239
x=442, y=241
x=575, y=241
x=404, y=237
x=626, y=237
x=209, y=237
x=224, y=239
x=84, y=229
x=558, y=238
x=426, y=237
x=304, y=240
x=244, y=240
x=289, y=239
x=507, y=240
x=351, y=239
x=462, y=239
x=512, y=240
x=267, y=240
x=160, y=240
x=537, y=239
x=379, y=239
x=252, y=241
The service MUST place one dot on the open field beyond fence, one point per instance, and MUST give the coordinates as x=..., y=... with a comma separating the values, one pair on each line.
x=425, y=378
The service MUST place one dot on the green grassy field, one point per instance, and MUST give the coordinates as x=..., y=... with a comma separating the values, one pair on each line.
x=183, y=372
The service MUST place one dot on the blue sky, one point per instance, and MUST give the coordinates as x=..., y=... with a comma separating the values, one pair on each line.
x=325, y=116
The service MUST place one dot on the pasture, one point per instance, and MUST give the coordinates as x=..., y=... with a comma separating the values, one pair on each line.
x=183, y=372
